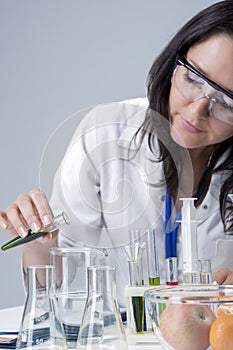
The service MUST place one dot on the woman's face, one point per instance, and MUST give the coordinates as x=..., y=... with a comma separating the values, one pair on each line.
x=192, y=123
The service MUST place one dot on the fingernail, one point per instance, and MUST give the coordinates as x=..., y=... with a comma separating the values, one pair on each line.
x=34, y=226
x=22, y=231
x=3, y=225
x=46, y=220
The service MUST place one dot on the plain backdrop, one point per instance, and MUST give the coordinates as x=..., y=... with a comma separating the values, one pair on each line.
x=58, y=57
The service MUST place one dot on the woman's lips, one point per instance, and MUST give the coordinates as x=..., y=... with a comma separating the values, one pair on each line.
x=190, y=127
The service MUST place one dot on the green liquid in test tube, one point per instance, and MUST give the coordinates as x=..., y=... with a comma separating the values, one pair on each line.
x=152, y=256
x=154, y=281
x=134, y=254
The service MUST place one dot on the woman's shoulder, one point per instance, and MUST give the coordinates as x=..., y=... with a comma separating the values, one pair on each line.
x=119, y=111
x=136, y=101
x=112, y=118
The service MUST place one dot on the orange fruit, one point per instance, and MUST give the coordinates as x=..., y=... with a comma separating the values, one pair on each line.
x=224, y=309
x=221, y=333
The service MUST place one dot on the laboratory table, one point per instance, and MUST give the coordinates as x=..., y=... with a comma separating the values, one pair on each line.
x=10, y=320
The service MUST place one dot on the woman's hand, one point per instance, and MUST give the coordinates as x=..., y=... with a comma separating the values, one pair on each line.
x=223, y=276
x=29, y=211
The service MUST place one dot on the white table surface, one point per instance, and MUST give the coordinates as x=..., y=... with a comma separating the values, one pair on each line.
x=10, y=318
x=10, y=321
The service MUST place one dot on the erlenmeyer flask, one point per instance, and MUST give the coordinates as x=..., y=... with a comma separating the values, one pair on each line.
x=71, y=285
x=41, y=327
x=101, y=324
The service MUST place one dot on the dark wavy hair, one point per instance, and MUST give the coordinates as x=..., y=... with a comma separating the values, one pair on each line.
x=215, y=19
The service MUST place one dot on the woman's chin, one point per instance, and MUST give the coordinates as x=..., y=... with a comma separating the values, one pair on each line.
x=183, y=141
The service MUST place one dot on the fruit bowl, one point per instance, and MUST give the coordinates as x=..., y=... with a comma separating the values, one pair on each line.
x=192, y=317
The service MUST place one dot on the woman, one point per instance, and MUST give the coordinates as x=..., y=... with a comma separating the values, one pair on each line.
x=191, y=85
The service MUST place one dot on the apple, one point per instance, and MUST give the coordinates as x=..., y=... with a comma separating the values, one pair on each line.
x=186, y=327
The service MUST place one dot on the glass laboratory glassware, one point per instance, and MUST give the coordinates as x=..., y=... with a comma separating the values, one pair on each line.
x=171, y=270
x=59, y=220
x=41, y=327
x=205, y=268
x=191, y=273
x=134, y=253
x=101, y=324
x=152, y=258
x=71, y=285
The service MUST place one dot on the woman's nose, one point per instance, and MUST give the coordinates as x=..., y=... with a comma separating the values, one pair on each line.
x=200, y=107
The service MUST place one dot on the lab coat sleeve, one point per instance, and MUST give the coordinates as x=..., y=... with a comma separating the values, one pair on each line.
x=82, y=184
x=104, y=189
x=76, y=187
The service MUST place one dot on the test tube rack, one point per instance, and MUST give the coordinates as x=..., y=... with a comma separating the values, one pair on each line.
x=146, y=337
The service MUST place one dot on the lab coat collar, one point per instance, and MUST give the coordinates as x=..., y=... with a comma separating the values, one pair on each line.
x=210, y=203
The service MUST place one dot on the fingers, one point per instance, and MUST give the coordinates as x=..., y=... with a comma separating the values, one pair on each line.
x=42, y=206
x=5, y=224
x=223, y=276
x=30, y=210
x=3, y=221
x=49, y=237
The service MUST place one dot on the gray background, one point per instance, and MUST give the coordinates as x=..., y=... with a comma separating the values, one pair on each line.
x=56, y=58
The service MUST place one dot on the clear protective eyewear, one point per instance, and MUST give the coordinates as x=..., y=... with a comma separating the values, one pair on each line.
x=193, y=85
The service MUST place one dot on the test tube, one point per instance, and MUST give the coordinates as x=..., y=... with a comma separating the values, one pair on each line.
x=134, y=252
x=152, y=258
x=191, y=274
x=205, y=268
x=171, y=271
x=59, y=220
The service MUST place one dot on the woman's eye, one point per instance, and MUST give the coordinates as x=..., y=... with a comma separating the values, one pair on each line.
x=194, y=79
x=225, y=101
x=228, y=102
x=227, y=107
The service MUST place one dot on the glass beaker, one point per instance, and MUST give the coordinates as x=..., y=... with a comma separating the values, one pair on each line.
x=72, y=285
x=41, y=327
x=101, y=324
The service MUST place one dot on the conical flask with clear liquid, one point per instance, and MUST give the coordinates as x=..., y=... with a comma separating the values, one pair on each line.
x=101, y=326
x=41, y=327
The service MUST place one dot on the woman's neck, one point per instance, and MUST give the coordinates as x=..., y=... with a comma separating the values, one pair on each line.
x=200, y=159
x=193, y=172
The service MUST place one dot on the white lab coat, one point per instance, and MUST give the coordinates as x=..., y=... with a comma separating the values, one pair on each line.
x=106, y=194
